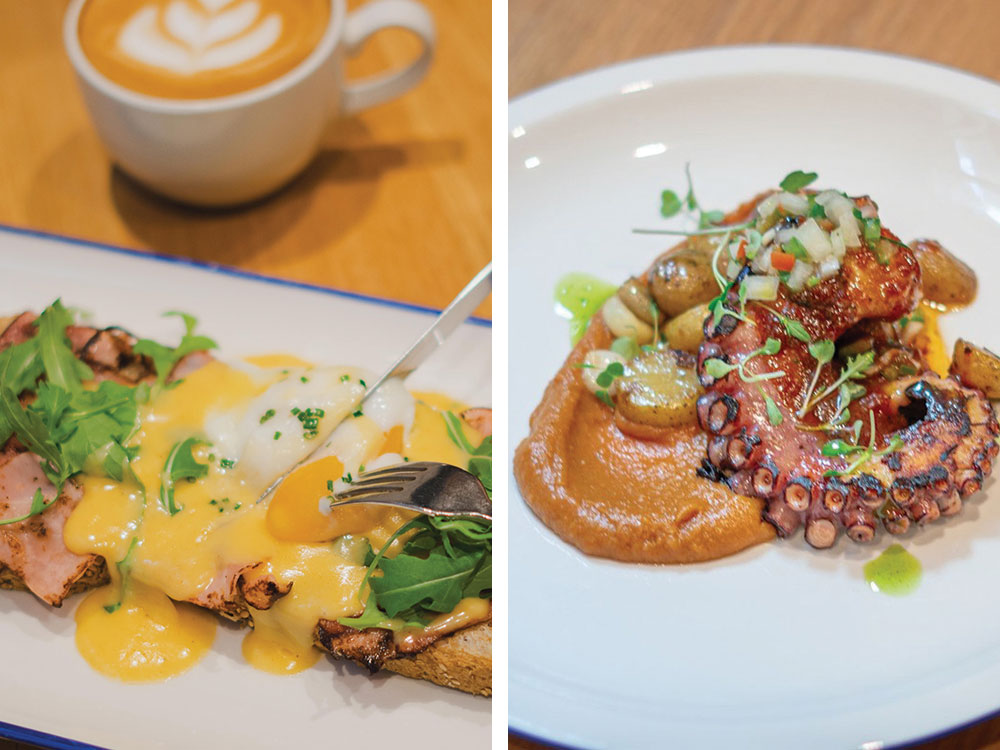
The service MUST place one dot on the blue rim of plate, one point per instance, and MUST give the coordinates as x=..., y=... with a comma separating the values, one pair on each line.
x=36, y=737
x=579, y=84
x=42, y=739
x=229, y=271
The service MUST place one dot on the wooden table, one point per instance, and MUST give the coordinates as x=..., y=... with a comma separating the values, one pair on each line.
x=397, y=204
x=551, y=39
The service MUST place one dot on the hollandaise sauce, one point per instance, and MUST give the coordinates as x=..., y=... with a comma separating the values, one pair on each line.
x=188, y=527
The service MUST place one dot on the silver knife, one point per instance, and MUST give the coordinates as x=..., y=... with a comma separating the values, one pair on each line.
x=456, y=313
x=451, y=318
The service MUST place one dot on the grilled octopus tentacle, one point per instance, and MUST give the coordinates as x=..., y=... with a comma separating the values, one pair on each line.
x=934, y=439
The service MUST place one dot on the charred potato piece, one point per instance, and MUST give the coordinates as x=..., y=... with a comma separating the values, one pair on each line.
x=660, y=389
x=681, y=279
x=623, y=322
x=946, y=279
x=635, y=294
x=976, y=367
x=687, y=330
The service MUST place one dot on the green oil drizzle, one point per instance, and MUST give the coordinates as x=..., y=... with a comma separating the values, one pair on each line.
x=895, y=572
x=578, y=297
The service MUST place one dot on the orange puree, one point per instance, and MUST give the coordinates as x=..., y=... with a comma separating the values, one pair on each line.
x=615, y=496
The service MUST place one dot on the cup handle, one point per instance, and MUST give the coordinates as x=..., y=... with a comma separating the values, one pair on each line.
x=371, y=18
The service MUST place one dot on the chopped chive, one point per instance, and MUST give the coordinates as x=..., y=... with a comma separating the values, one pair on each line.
x=267, y=415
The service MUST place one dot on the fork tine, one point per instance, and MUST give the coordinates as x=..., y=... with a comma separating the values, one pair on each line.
x=378, y=481
x=385, y=491
x=418, y=467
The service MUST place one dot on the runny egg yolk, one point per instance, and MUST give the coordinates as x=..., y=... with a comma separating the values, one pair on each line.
x=222, y=534
x=296, y=512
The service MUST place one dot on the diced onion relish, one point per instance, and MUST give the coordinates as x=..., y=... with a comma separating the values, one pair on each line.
x=814, y=240
x=761, y=287
x=800, y=273
x=829, y=267
x=762, y=262
x=790, y=203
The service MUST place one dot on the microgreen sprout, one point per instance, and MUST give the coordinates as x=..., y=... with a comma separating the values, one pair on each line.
x=856, y=368
x=916, y=317
x=626, y=346
x=774, y=415
x=606, y=378
x=715, y=306
x=833, y=448
x=822, y=351
x=795, y=181
x=792, y=327
x=719, y=368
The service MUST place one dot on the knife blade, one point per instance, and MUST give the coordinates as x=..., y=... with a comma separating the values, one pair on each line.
x=456, y=313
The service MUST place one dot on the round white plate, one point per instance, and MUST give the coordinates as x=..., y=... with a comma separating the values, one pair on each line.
x=782, y=645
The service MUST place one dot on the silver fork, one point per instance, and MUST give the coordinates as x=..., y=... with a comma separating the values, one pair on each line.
x=424, y=486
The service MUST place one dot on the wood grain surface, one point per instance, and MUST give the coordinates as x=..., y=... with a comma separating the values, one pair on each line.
x=398, y=203
x=552, y=39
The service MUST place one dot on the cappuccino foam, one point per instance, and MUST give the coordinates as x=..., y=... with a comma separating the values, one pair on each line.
x=194, y=49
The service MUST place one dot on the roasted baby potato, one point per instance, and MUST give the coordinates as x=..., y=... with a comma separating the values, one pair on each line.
x=687, y=330
x=635, y=294
x=623, y=322
x=976, y=367
x=682, y=279
x=659, y=389
x=946, y=279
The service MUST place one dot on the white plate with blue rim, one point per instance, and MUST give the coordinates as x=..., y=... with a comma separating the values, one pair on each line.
x=781, y=646
x=50, y=696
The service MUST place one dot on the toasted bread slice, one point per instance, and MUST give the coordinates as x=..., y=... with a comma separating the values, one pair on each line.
x=463, y=661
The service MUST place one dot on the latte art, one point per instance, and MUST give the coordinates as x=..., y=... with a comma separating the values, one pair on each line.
x=199, y=48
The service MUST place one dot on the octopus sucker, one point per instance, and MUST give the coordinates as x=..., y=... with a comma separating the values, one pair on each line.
x=816, y=404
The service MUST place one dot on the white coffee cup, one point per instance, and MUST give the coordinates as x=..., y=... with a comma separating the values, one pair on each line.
x=234, y=149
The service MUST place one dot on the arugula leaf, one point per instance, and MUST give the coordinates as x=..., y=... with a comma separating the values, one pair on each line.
x=62, y=368
x=164, y=358
x=372, y=617
x=31, y=430
x=795, y=181
x=38, y=504
x=456, y=433
x=21, y=366
x=447, y=560
x=482, y=469
x=435, y=582
x=480, y=458
x=180, y=464
x=481, y=581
